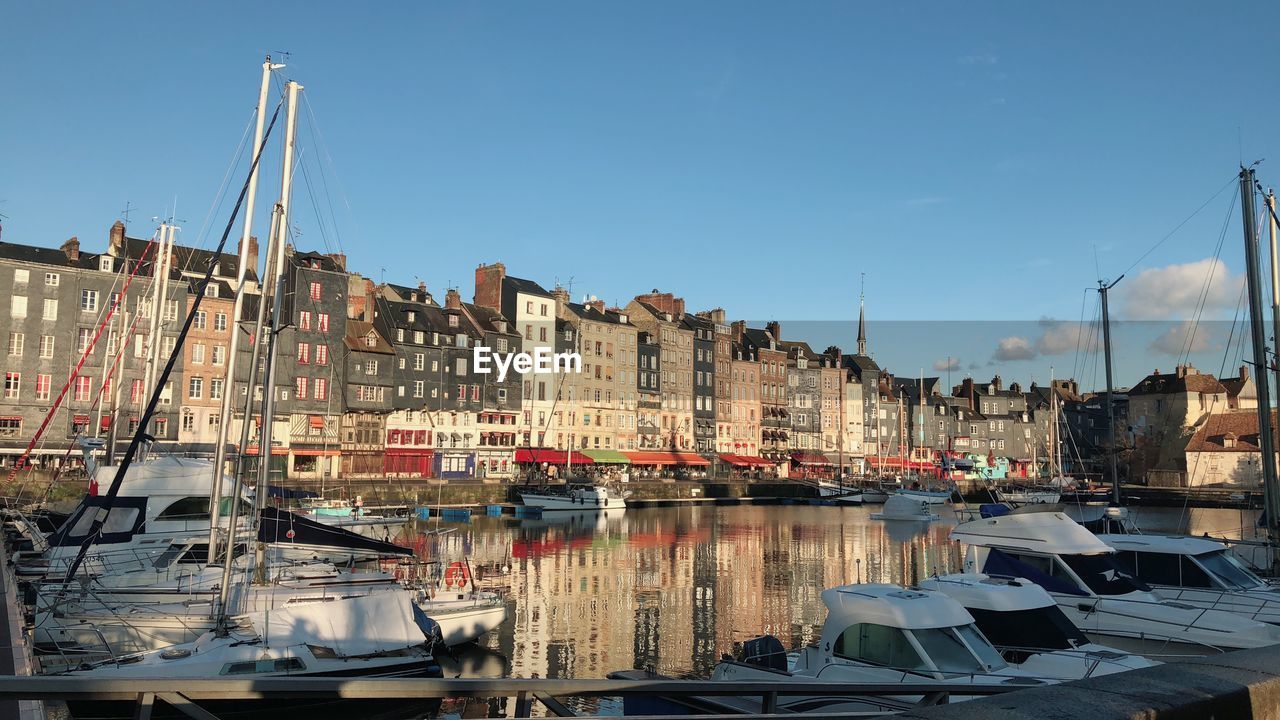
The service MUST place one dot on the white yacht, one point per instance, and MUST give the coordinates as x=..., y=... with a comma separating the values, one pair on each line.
x=379, y=635
x=907, y=508
x=1098, y=594
x=878, y=634
x=1199, y=572
x=577, y=496
x=1029, y=629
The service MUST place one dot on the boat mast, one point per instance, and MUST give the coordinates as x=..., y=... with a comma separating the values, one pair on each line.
x=1266, y=441
x=228, y=385
x=281, y=270
x=1103, y=288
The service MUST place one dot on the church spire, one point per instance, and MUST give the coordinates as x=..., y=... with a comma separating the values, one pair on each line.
x=862, y=318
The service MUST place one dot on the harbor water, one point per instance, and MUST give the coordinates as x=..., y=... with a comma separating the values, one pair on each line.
x=674, y=588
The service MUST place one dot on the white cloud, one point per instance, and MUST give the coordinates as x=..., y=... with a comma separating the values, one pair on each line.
x=983, y=58
x=946, y=364
x=1176, y=339
x=1174, y=292
x=1013, y=348
x=1059, y=337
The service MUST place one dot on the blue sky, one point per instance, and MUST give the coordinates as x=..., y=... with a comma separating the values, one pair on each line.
x=978, y=161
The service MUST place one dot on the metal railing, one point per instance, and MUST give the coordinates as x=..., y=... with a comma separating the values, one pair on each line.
x=186, y=695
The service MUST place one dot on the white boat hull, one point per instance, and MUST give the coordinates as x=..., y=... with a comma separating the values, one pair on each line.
x=584, y=501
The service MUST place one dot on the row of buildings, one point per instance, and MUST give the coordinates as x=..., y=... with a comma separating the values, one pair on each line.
x=379, y=380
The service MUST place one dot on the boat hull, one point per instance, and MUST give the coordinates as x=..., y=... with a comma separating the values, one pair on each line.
x=587, y=501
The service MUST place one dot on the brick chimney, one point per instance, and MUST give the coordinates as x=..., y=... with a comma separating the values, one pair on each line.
x=251, y=261
x=115, y=240
x=664, y=302
x=452, y=300
x=997, y=383
x=72, y=249
x=1244, y=373
x=965, y=391
x=339, y=259
x=595, y=304
x=739, y=329
x=718, y=316
x=774, y=329
x=489, y=286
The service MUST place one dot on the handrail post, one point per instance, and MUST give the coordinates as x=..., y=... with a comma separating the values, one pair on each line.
x=523, y=706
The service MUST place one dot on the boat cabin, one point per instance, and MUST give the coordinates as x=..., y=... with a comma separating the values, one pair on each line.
x=1184, y=562
x=892, y=627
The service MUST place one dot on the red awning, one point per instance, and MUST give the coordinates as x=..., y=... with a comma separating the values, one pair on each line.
x=686, y=458
x=409, y=452
x=651, y=458
x=279, y=451
x=317, y=421
x=734, y=460
x=756, y=460
x=808, y=458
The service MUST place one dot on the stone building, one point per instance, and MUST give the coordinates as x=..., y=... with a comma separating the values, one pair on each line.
x=704, y=383
x=661, y=315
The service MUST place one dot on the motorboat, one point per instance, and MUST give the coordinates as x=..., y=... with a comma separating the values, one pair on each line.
x=1024, y=623
x=878, y=633
x=907, y=508
x=1197, y=571
x=933, y=497
x=1096, y=592
x=1021, y=495
x=576, y=496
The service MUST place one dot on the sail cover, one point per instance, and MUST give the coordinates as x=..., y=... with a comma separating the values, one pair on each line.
x=284, y=528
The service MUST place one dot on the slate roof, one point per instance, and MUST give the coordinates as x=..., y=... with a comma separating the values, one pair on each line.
x=1172, y=383
x=589, y=313
x=528, y=287
x=46, y=256
x=193, y=260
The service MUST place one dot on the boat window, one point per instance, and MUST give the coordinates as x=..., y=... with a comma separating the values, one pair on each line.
x=880, y=645
x=188, y=508
x=167, y=557
x=1228, y=570
x=1103, y=575
x=947, y=651
x=1193, y=575
x=1043, y=628
x=119, y=519
x=263, y=666
x=1039, y=569
x=981, y=646
x=1154, y=568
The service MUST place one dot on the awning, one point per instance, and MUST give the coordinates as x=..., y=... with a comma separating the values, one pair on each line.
x=809, y=458
x=686, y=458
x=756, y=460
x=551, y=457
x=734, y=460
x=253, y=450
x=607, y=457
x=314, y=452
x=409, y=452
x=316, y=421
x=651, y=458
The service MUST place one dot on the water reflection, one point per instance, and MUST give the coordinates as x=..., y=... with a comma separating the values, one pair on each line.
x=673, y=588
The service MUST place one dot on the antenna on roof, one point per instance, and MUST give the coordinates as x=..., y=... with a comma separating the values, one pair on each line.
x=126, y=212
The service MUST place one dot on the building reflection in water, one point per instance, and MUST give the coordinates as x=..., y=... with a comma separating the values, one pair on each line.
x=673, y=588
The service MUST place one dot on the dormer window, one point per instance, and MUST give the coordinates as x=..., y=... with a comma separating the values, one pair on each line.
x=371, y=340
x=211, y=290
x=411, y=315
x=453, y=321
x=104, y=264
x=1229, y=441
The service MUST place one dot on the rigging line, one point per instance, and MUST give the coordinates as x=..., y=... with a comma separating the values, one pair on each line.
x=1084, y=301
x=1234, y=179
x=324, y=148
x=220, y=197
x=1226, y=350
x=1202, y=301
x=95, y=529
x=315, y=207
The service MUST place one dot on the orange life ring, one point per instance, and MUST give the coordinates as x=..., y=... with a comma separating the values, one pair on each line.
x=455, y=575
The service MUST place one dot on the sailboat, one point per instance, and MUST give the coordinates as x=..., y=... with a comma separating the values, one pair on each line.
x=377, y=634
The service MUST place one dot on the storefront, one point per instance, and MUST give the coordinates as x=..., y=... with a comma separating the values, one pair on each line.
x=408, y=462
x=811, y=465
x=455, y=464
